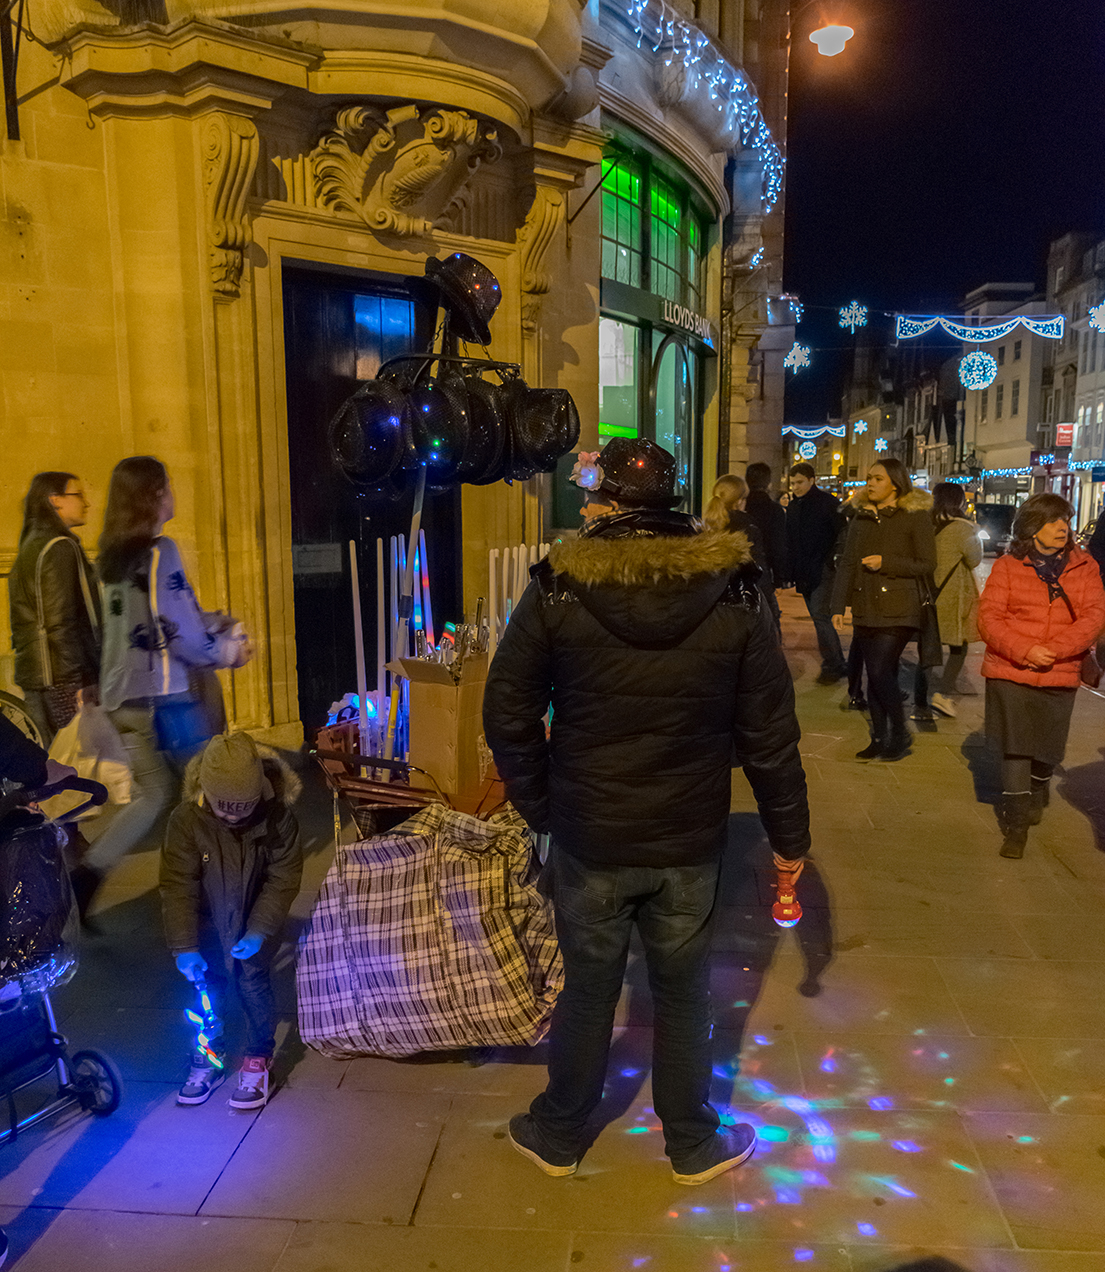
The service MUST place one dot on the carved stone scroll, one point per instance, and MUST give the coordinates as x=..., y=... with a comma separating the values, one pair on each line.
x=545, y=217
x=399, y=171
x=230, y=149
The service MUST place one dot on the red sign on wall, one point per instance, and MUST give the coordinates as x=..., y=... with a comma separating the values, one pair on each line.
x=1064, y=434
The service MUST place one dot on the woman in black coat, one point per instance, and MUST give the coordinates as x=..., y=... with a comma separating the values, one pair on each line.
x=55, y=605
x=889, y=553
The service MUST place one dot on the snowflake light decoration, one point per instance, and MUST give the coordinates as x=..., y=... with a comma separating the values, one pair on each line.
x=977, y=370
x=880, y=444
x=860, y=426
x=853, y=316
x=808, y=450
x=1097, y=316
x=798, y=357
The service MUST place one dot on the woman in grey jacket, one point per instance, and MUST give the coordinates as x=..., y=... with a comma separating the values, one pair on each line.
x=154, y=634
x=887, y=556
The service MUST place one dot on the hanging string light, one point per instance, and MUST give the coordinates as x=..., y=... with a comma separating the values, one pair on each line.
x=977, y=370
x=1051, y=327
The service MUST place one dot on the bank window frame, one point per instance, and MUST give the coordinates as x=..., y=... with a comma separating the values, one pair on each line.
x=660, y=244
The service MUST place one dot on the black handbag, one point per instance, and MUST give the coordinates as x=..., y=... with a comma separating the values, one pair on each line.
x=930, y=649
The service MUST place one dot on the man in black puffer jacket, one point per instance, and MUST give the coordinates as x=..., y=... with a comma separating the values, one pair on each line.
x=651, y=643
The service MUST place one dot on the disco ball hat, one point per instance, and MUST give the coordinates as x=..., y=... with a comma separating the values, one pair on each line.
x=470, y=292
x=639, y=473
x=543, y=424
x=439, y=425
x=370, y=436
x=485, y=454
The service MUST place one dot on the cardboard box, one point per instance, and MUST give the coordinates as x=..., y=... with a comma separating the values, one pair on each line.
x=446, y=722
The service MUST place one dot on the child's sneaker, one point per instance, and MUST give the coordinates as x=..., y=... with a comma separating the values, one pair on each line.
x=252, y=1091
x=202, y=1079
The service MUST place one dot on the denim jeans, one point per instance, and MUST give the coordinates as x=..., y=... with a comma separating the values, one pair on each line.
x=122, y=828
x=819, y=603
x=252, y=979
x=597, y=908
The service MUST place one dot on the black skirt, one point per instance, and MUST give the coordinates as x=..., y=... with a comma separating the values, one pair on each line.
x=1028, y=719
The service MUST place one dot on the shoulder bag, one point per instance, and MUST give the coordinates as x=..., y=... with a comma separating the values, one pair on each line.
x=1091, y=669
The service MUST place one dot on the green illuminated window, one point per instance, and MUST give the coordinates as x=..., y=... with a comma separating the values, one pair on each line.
x=622, y=253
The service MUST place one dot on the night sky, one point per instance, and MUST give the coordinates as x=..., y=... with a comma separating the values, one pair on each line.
x=943, y=149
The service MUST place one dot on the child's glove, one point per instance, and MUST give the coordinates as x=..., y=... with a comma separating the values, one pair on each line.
x=191, y=965
x=248, y=945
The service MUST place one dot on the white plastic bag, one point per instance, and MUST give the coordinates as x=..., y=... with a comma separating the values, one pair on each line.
x=91, y=744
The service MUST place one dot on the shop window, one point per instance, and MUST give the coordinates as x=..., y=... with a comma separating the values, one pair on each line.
x=652, y=232
x=622, y=249
x=619, y=391
x=675, y=406
x=1015, y=398
x=999, y=396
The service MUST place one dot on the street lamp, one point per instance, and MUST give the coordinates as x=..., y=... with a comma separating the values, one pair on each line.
x=830, y=40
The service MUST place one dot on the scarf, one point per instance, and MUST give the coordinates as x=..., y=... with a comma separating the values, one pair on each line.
x=1049, y=568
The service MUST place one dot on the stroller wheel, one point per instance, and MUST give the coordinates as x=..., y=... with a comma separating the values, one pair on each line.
x=96, y=1082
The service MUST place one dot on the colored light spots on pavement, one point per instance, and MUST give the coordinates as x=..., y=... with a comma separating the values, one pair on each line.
x=700, y=1210
x=880, y=1103
x=866, y=1135
x=803, y=1256
x=796, y=1104
x=944, y=1055
x=630, y=1073
x=1026, y=1139
x=960, y=1166
x=905, y=1146
x=774, y=1134
x=744, y=1206
x=867, y=1230
x=762, y=1041
x=824, y=1152
x=828, y=1065
x=895, y=1187
x=637, y=1130
x=762, y=1088
x=788, y=1197
x=949, y=1082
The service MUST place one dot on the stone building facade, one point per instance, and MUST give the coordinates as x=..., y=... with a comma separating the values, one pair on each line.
x=198, y=187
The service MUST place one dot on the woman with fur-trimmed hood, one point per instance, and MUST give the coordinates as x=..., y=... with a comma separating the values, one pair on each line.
x=653, y=646
x=889, y=551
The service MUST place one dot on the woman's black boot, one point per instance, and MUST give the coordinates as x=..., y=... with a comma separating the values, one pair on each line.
x=1014, y=818
x=873, y=751
x=896, y=748
x=1041, y=797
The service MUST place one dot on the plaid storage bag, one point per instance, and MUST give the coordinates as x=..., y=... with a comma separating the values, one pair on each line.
x=428, y=938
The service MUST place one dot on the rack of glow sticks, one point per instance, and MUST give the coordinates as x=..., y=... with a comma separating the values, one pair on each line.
x=508, y=574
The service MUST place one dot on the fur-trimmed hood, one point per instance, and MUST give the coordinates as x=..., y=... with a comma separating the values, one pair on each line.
x=652, y=591
x=916, y=500
x=282, y=783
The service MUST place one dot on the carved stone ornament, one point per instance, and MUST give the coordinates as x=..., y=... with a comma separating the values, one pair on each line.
x=230, y=149
x=545, y=217
x=399, y=171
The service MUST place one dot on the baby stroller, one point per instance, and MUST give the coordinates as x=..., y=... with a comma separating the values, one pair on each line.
x=37, y=952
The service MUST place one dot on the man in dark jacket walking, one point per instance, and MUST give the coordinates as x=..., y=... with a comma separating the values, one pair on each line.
x=814, y=525
x=772, y=520
x=652, y=645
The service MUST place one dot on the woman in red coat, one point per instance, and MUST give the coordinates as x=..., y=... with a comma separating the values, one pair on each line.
x=1041, y=610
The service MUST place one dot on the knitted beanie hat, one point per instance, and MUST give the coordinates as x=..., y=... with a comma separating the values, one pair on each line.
x=231, y=775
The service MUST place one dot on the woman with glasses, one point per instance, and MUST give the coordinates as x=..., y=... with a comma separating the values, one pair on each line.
x=55, y=605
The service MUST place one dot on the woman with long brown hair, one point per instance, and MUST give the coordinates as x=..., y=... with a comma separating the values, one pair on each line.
x=154, y=634
x=1042, y=609
x=54, y=601
x=958, y=553
x=888, y=556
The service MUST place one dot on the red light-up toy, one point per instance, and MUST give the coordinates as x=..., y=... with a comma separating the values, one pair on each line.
x=786, y=911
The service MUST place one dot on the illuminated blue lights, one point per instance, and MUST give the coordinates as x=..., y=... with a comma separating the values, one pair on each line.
x=728, y=88
x=798, y=357
x=905, y=1146
x=867, y=1230
x=803, y=1256
x=1097, y=316
x=853, y=316
x=808, y=450
x=1050, y=327
x=880, y=1102
x=977, y=370
x=810, y=434
x=880, y=444
x=828, y=1065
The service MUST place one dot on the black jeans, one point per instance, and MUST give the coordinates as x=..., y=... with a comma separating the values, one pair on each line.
x=252, y=980
x=881, y=651
x=597, y=908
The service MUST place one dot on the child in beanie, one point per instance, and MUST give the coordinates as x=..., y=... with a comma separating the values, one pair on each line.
x=230, y=870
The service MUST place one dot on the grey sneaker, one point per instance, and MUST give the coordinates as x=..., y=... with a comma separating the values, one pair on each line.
x=203, y=1078
x=944, y=705
x=528, y=1140
x=252, y=1091
x=728, y=1148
